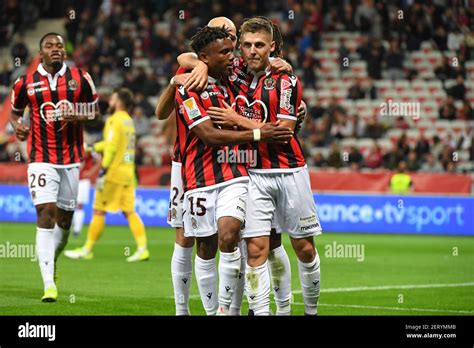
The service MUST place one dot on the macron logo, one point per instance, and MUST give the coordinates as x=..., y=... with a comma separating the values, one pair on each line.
x=37, y=331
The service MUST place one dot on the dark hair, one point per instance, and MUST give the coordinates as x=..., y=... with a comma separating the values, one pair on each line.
x=46, y=35
x=207, y=35
x=277, y=37
x=126, y=97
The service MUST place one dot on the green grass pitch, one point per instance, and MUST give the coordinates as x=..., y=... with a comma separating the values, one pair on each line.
x=399, y=275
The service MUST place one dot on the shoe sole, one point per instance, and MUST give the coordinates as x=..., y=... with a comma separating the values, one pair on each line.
x=48, y=300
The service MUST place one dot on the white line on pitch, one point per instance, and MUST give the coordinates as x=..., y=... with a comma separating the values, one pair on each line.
x=379, y=288
x=389, y=308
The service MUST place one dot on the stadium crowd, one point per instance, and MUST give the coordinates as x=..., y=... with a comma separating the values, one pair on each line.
x=135, y=45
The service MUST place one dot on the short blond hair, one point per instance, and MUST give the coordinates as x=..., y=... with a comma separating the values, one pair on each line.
x=255, y=25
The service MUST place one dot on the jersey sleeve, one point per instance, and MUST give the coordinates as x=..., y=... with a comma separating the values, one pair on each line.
x=19, y=97
x=289, y=95
x=191, y=107
x=88, y=92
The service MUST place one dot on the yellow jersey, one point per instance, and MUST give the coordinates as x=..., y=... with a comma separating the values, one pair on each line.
x=118, y=148
x=400, y=183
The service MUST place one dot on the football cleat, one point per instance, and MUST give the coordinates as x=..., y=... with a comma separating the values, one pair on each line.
x=140, y=255
x=50, y=294
x=79, y=253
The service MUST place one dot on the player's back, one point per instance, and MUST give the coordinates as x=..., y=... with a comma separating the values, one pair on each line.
x=119, y=132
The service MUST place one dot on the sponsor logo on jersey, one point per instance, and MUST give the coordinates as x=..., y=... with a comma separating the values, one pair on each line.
x=285, y=101
x=51, y=112
x=256, y=110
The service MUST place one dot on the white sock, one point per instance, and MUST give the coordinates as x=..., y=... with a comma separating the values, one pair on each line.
x=309, y=280
x=280, y=272
x=78, y=221
x=45, y=253
x=181, y=274
x=229, y=268
x=60, y=240
x=236, y=303
x=257, y=287
x=206, y=277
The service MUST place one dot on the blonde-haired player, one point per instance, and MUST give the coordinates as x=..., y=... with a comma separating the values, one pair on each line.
x=115, y=187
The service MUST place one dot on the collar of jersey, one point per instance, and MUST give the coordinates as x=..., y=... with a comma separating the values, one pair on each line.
x=43, y=71
x=267, y=71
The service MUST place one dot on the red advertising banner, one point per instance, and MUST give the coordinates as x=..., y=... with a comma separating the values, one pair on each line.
x=15, y=173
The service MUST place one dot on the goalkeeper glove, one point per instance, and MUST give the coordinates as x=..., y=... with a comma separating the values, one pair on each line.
x=88, y=148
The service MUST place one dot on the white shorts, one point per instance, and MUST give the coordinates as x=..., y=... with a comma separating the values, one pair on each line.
x=84, y=191
x=283, y=201
x=48, y=184
x=175, y=211
x=208, y=206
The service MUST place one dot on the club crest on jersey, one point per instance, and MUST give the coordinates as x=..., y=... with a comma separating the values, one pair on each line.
x=256, y=110
x=173, y=213
x=51, y=112
x=194, y=223
x=269, y=83
x=204, y=95
x=191, y=108
x=31, y=91
x=233, y=77
x=72, y=85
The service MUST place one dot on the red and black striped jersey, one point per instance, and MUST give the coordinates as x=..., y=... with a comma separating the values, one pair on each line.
x=52, y=140
x=267, y=97
x=204, y=166
x=176, y=152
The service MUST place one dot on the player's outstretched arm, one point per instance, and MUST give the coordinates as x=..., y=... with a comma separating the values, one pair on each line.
x=21, y=130
x=270, y=132
x=198, y=78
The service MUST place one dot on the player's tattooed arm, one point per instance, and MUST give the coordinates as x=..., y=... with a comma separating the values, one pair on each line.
x=21, y=130
x=270, y=132
x=165, y=105
x=228, y=117
x=198, y=77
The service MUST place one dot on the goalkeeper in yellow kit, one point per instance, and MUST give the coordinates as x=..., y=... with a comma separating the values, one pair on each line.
x=115, y=186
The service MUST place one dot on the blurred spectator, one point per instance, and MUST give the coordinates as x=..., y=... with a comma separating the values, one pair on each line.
x=394, y=61
x=413, y=163
x=319, y=160
x=142, y=124
x=431, y=165
x=355, y=158
x=334, y=157
x=445, y=71
x=19, y=51
x=375, y=59
x=466, y=112
x=374, y=159
x=141, y=102
x=422, y=146
x=447, y=111
x=458, y=91
x=355, y=90
x=309, y=65
x=364, y=15
x=318, y=110
x=465, y=140
x=401, y=123
x=373, y=129
x=341, y=128
x=371, y=90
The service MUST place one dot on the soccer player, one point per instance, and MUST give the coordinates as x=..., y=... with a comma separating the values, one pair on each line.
x=279, y=262
x=88, y=167
x=215, y=188
x=115, y=186
x=60, y=98
x=279, y=190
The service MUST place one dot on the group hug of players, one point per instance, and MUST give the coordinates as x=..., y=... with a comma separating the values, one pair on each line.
x=247, y=106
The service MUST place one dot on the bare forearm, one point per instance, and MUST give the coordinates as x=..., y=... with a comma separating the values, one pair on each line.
x=188, y=60
x=220, y=137
x=165, y=103
x=245, y=123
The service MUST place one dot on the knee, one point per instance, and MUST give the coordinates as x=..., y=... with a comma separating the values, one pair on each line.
x=46, y=216
x=64, y=222
x=257, y=250
x=306, y=253
x=228, y=240
x=207, y=248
